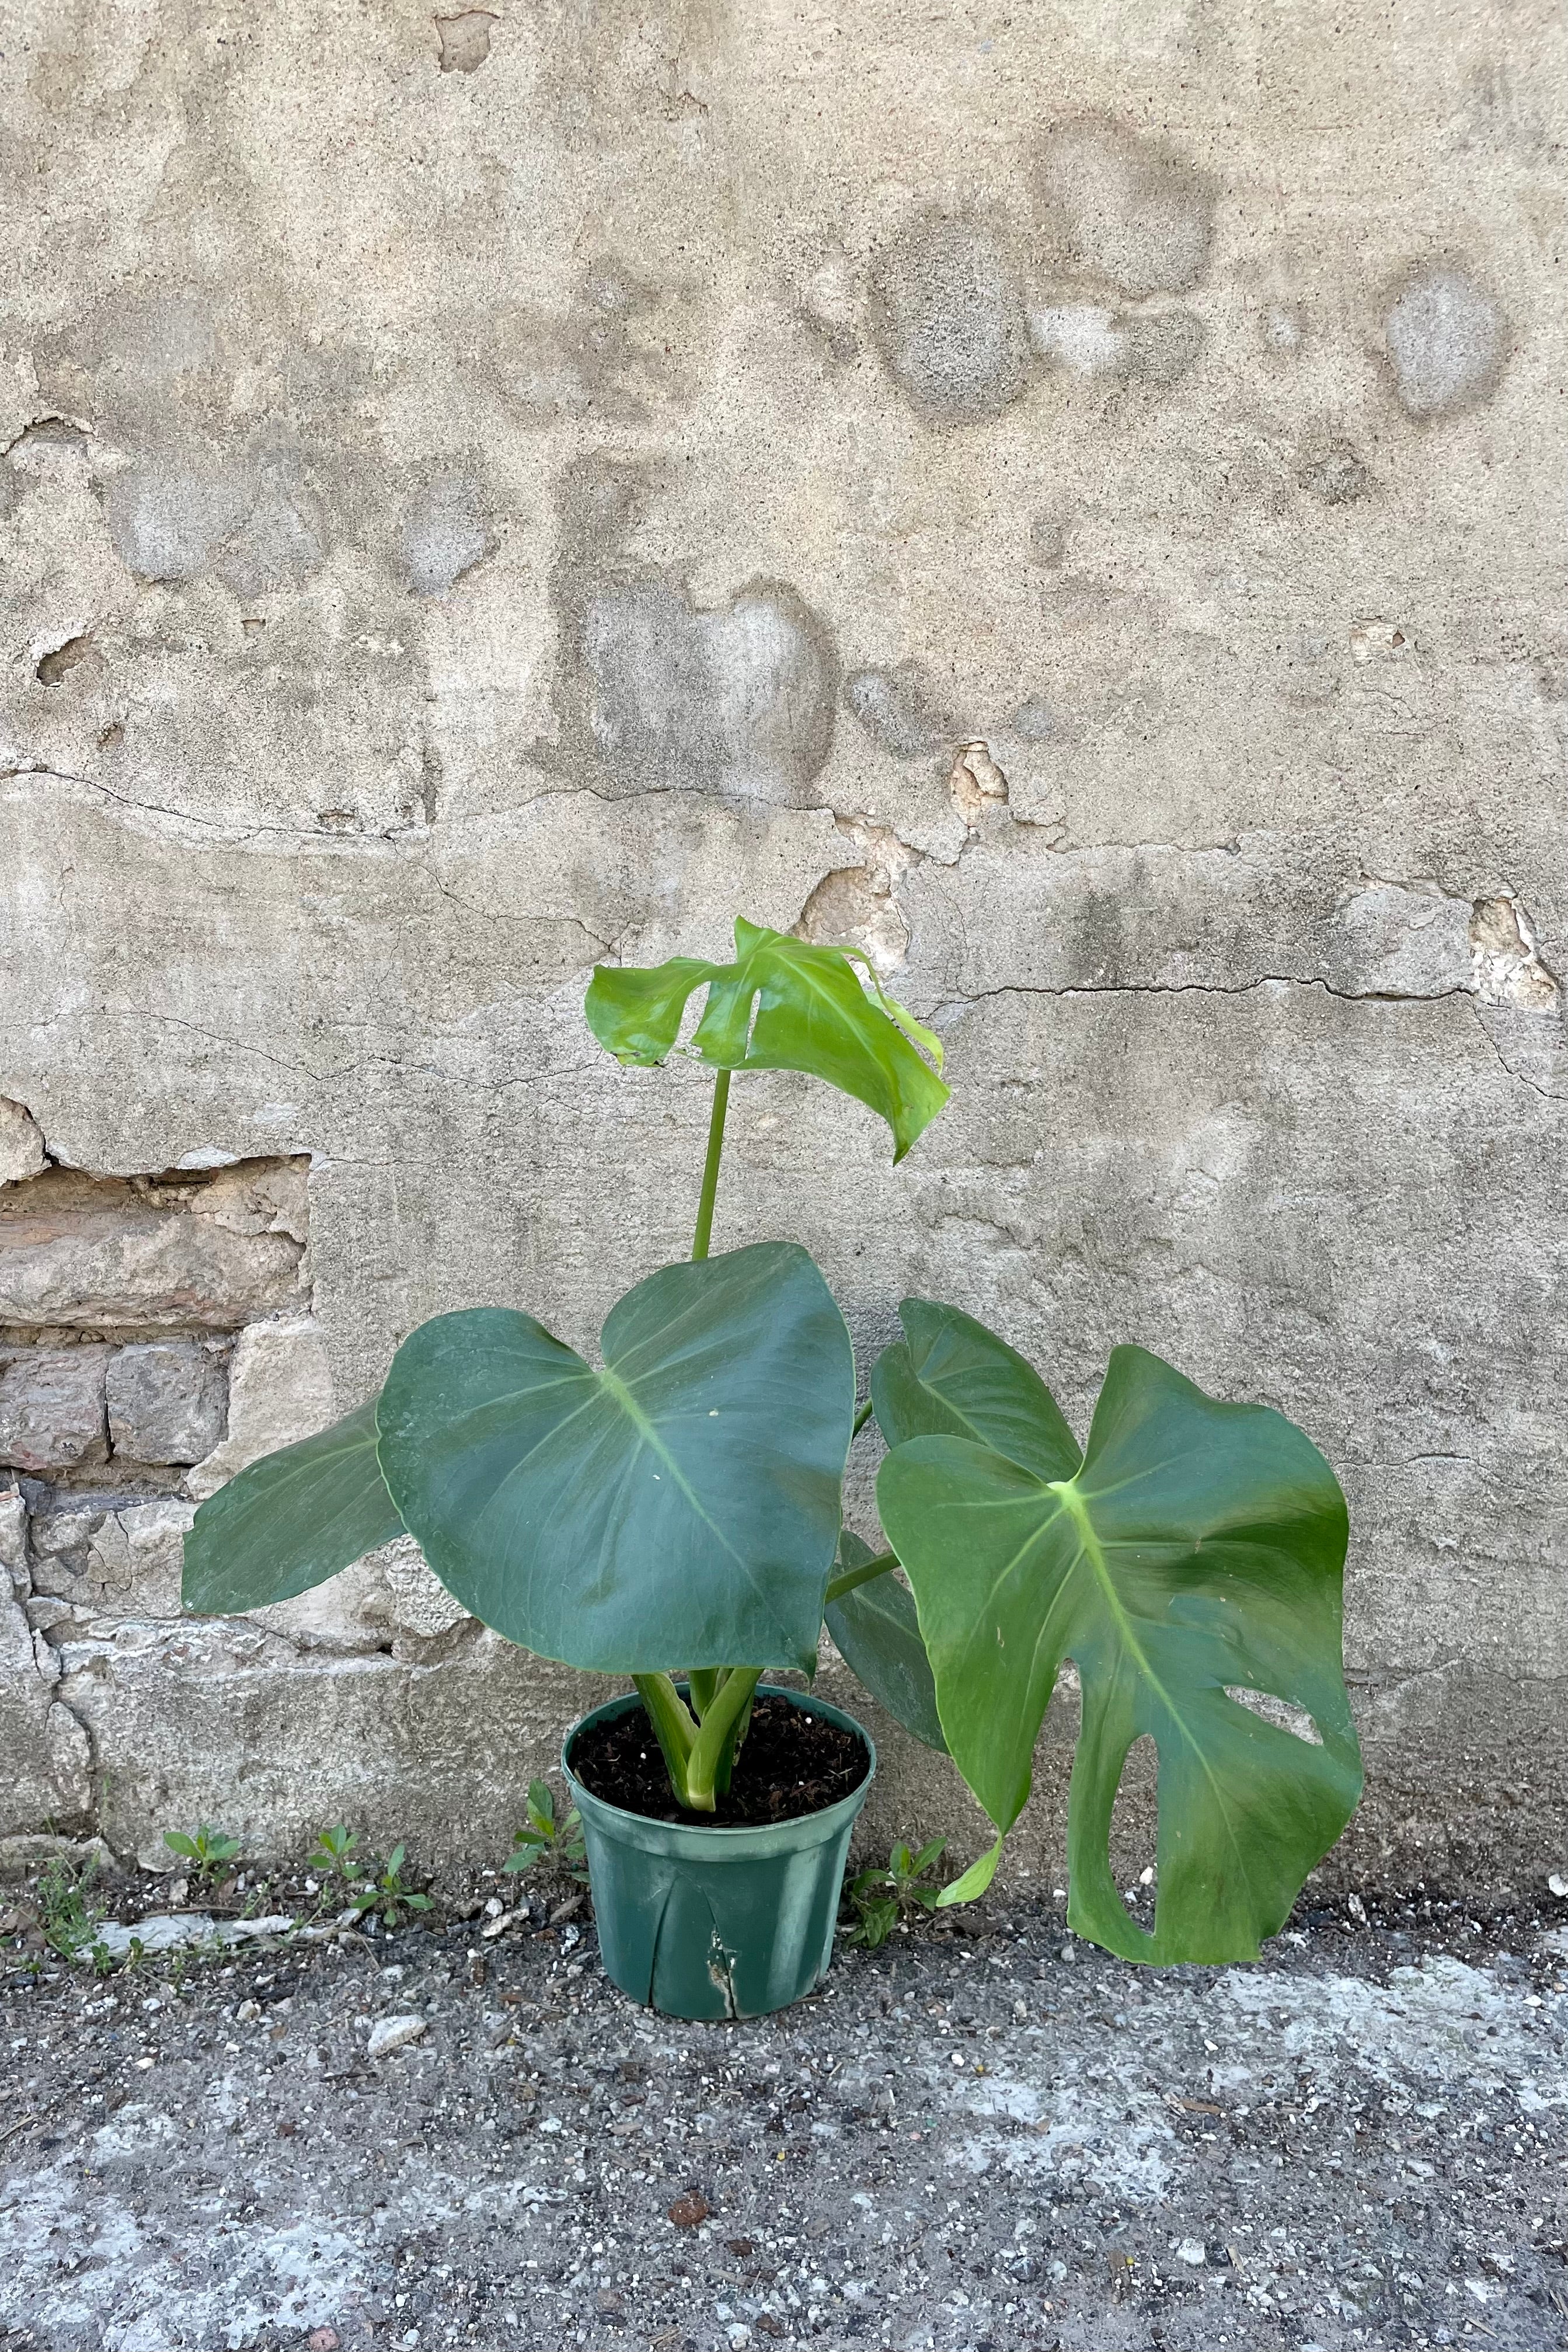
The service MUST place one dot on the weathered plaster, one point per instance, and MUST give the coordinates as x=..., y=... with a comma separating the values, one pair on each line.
x=1058, y=500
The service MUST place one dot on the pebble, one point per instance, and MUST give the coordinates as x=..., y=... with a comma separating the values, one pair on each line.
x=389, y=2033
x=1190, y=2251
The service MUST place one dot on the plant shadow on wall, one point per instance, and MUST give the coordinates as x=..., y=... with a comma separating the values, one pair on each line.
x=676, y=1513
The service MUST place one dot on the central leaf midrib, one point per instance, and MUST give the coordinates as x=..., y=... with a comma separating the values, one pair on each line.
x=647, y=1434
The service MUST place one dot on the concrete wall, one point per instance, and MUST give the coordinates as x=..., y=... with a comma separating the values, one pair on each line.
x=1070, y=499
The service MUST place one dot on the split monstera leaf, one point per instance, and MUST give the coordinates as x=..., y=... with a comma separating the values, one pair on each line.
x=677, y=1507
x=781, y=1005
x=1191, y=1550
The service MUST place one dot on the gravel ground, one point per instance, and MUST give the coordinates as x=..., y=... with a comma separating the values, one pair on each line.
x=988, y=2137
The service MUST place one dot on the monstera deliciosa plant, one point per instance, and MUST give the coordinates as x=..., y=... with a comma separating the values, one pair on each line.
x=675, y=1510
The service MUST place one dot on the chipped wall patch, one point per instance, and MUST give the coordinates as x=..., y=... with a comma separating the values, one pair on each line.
x=1371, y=639
x=976, y=782
x=857, y=907
x=1505, y=967
x=465, y=39
x=22, y=1151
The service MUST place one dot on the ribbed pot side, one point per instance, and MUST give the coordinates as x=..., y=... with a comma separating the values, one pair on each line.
x=713, y=1921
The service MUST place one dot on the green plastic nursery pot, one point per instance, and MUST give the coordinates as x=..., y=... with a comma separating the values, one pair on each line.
x=714, y=1923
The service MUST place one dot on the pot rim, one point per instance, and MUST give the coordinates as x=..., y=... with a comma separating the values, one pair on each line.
x=828, y=1817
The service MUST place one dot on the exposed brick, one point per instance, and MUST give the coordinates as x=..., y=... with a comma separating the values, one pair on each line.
x=99, y=1253
x=167, y=1400
x=52, y=1408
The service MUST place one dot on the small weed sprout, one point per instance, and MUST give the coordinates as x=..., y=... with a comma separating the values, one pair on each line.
x=335, y=1853
x=209, y=1851
x=558, y=1843
x=386, y=1896
x=881, y=1898
x=68, y=1916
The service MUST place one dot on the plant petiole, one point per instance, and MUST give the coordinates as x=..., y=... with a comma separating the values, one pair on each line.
x=861, y=1575
x=721, y=1724
x=710, y=1165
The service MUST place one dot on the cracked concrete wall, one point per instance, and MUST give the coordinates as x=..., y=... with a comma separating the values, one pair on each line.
x=1060, y=499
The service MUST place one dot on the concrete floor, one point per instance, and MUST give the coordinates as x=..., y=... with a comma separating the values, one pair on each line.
x=993, y=2139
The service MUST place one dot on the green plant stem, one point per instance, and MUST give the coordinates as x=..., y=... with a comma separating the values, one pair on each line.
x=862, y=1415
x=862, y=1575
x=674, y=1727
x=732, y=1750
x=710, y=1165
x=716, y=1739
x=704, y=1683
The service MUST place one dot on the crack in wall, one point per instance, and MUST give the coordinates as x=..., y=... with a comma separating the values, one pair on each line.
x=957, y=1004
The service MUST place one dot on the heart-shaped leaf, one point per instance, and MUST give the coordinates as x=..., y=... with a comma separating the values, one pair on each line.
x=878, y=1635
x=783, y=1004
x=290, y=1520
x=679, y=1508
x=1198, y=1549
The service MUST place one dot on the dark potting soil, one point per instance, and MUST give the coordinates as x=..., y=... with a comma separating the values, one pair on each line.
x=790, y=1763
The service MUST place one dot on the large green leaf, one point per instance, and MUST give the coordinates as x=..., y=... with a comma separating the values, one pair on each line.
x=783, y=1004
x=291, y=1520
x=679, y=1508
x=1197, y=1550
x=878, y=1635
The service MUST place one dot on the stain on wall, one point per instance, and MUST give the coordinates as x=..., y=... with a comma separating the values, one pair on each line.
x=948, y=319
x=1121, y=209
x=1446, y=339
x=737, y=699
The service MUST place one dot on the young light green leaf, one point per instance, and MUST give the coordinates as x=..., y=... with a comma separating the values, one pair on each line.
x=783, y=1004
x=679, y=1508
x=1197, y=1550
x=290, y=1520
x=975, y=1879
